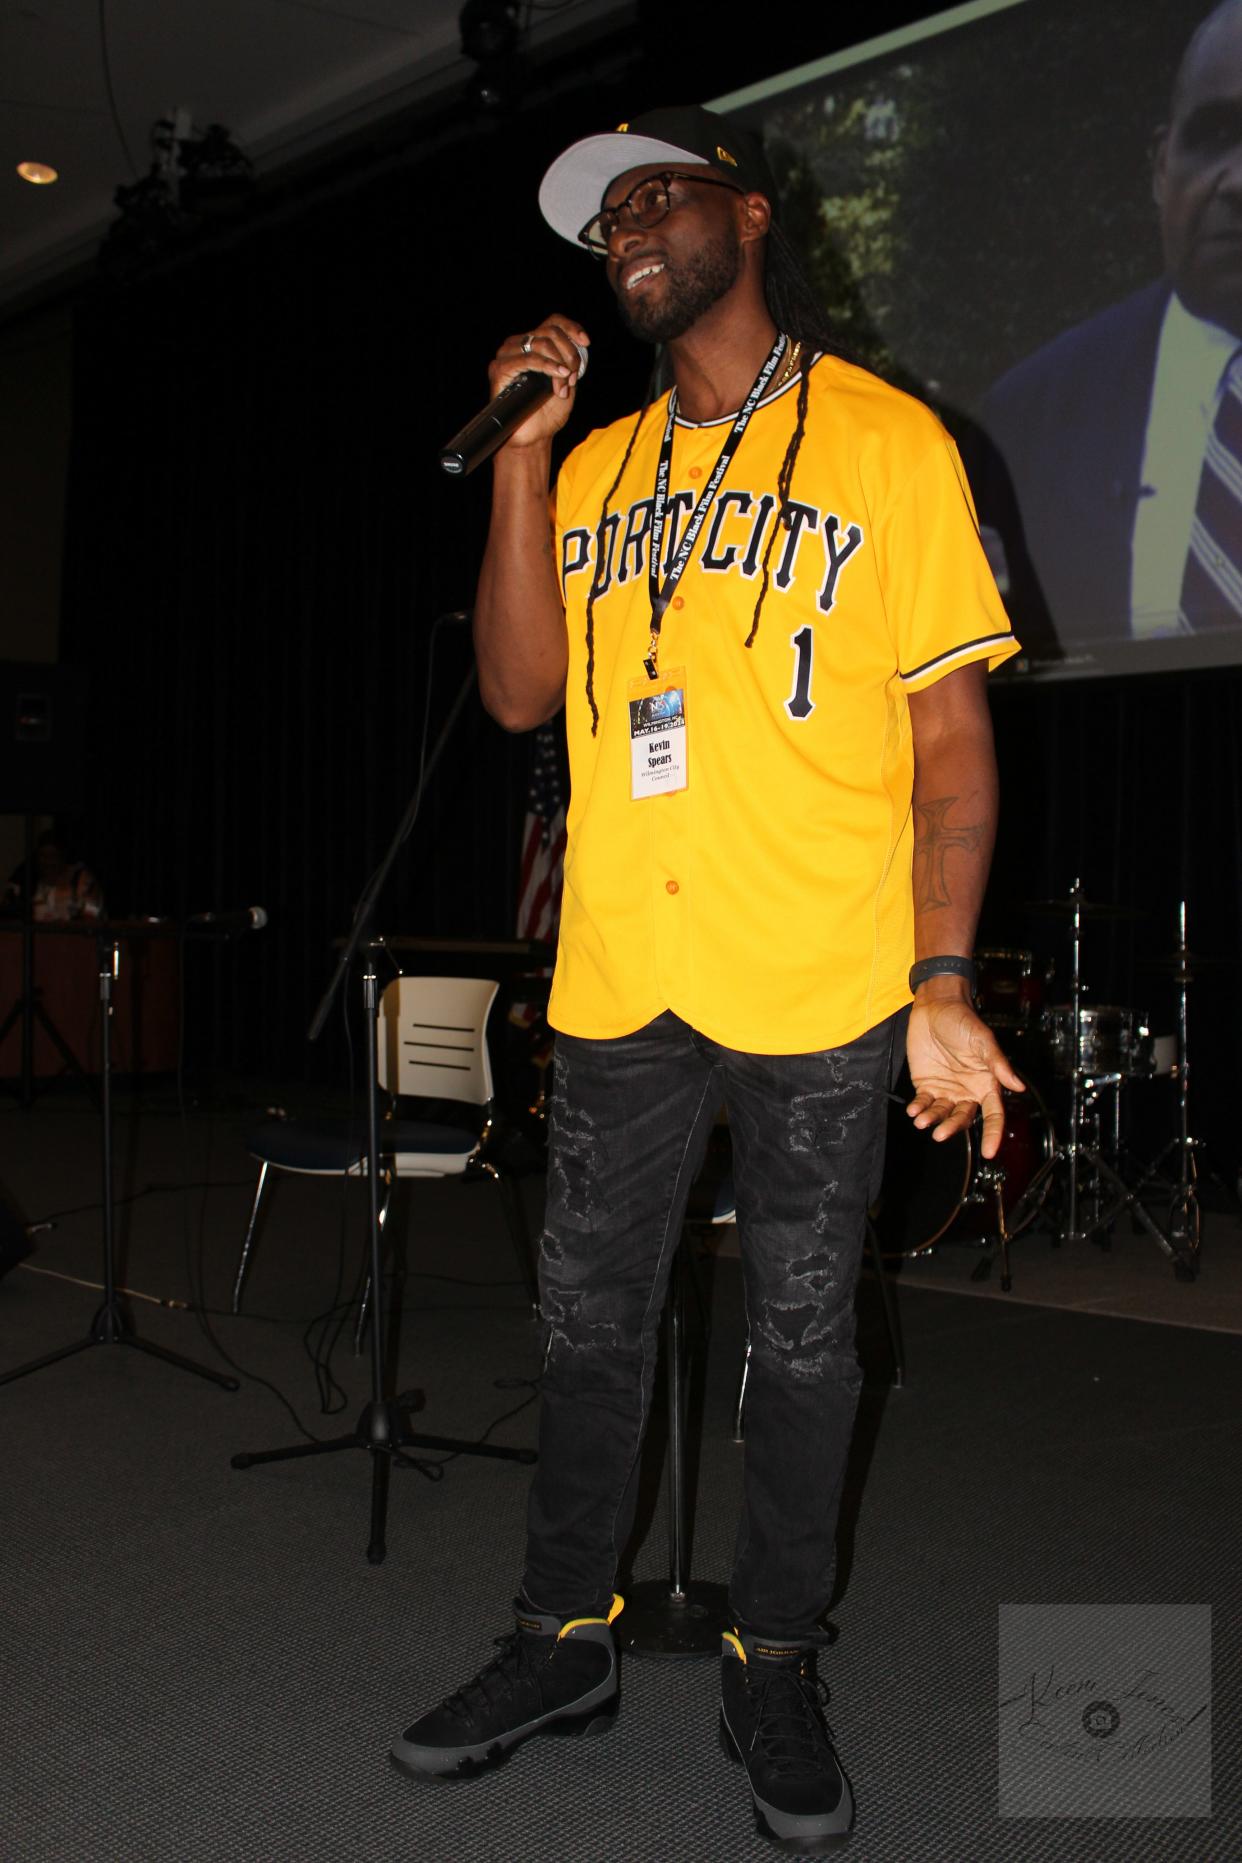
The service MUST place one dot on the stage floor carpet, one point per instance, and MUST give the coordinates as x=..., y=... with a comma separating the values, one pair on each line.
x=200, y=1664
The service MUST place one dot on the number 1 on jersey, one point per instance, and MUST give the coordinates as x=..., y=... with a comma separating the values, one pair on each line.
x=800, y=704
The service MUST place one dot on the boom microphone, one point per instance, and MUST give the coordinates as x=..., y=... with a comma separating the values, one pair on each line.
x=504, y=413
x=249, y=918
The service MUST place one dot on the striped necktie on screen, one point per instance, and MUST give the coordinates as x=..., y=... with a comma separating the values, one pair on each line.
x=1212, y=583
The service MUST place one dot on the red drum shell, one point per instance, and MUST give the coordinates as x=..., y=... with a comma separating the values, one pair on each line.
x=942, y=1189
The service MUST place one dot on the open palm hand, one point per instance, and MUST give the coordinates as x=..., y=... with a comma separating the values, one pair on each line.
x=957, y=1066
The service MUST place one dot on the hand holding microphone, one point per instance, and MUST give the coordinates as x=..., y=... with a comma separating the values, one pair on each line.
x=533, y=380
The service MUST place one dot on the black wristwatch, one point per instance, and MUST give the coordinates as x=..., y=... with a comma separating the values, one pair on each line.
x=942, y=967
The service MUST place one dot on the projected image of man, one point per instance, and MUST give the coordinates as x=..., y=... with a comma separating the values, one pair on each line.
x=1123, y=437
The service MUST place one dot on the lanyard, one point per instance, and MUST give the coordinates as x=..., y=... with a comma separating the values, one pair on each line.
x=662, y=596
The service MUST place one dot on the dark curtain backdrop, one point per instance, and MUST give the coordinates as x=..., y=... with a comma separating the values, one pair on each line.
x=259, y=542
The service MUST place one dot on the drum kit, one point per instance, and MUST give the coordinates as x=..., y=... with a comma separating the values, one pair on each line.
x=1086, y=1057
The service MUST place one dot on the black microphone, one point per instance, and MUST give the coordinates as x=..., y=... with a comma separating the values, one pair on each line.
x=504, y=413
x=249, y=918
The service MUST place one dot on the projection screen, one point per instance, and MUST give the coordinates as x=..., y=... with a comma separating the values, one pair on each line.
x=1029, y=214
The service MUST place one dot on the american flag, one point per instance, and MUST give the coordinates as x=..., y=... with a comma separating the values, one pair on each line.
x=543, y=852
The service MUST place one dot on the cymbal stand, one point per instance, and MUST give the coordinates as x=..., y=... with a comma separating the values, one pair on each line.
x=1185, y=1225
x=110, y=1325
x=1066, y=1157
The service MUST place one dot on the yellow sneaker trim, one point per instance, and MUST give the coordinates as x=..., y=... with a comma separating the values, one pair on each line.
x=727, y=1636
x=614, y=1611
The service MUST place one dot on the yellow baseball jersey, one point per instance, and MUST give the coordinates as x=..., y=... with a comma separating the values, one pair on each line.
x=768, y=902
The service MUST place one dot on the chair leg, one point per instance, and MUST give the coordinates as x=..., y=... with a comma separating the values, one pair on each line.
x=360, y=1326
x=890, y=1307
x=243, y=1262
x=519, y=1234
x=739, y=1408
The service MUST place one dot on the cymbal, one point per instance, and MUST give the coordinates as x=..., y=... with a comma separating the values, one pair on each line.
x=1179, y=960
x=1088, y=908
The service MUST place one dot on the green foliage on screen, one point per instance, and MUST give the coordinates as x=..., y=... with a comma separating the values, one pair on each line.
x=967, y=197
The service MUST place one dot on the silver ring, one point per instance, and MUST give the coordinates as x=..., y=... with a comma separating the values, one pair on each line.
x=527, y=344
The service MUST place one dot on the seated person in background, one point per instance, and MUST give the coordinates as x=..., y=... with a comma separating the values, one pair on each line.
x=64, y=888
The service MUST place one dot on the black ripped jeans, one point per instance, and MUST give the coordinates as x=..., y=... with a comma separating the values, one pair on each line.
x=630, y=1123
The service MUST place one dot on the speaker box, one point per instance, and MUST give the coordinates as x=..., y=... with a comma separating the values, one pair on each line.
x=42, y=739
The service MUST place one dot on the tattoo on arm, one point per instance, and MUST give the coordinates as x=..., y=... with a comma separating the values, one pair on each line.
x=932, y=840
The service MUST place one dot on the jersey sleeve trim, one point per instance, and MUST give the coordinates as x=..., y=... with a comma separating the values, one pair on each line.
x=996, y=647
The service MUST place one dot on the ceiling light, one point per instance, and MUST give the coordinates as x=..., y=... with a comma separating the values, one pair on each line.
x=489, y=28
x=38, y=173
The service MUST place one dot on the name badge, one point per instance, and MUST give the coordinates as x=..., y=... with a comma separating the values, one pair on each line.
x=658, y=735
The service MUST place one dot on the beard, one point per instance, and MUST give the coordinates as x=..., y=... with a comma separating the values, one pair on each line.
x=691, y=287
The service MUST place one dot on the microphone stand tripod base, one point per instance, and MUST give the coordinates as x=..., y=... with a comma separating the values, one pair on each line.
x=658, y=1621
x=381, y=1429
x=110, y=1324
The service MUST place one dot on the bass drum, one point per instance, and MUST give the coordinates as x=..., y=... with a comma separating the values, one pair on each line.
x=933, y=1192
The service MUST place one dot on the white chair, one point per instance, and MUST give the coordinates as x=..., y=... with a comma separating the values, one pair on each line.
x=431, y=1045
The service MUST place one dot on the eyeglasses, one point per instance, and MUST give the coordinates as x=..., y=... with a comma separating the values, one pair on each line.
x=646, y=204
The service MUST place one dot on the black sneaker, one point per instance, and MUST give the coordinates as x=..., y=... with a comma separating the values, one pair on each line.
x=772, y=1720
x=552, y=1676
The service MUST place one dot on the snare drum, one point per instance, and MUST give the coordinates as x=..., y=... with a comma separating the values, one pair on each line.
x=933, y=1190
x=1114, y=1040
x=1008, y=992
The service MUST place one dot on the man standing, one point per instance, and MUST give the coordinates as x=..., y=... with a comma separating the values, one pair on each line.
x=765, y=608
x=1123, y=436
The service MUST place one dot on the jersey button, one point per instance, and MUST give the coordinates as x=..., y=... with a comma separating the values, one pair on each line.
x=696, y=472
x=679, y=601
x=671, y=886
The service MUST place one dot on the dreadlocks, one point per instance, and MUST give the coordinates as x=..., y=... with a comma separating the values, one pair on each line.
x=794, y=309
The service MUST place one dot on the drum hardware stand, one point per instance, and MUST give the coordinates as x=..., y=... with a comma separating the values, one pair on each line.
x=995, y=1180
x=1185, y=1221
x=1067, y=1156
x=110, y=1325
x=1094, y=1086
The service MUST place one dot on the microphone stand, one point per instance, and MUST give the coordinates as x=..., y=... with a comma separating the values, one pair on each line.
x=381, y=1428
x=110, y=1325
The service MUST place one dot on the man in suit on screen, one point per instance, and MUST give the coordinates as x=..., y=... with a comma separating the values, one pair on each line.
x=1122, y=438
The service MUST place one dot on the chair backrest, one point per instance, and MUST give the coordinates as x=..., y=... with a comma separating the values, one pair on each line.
x=433, y=1038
